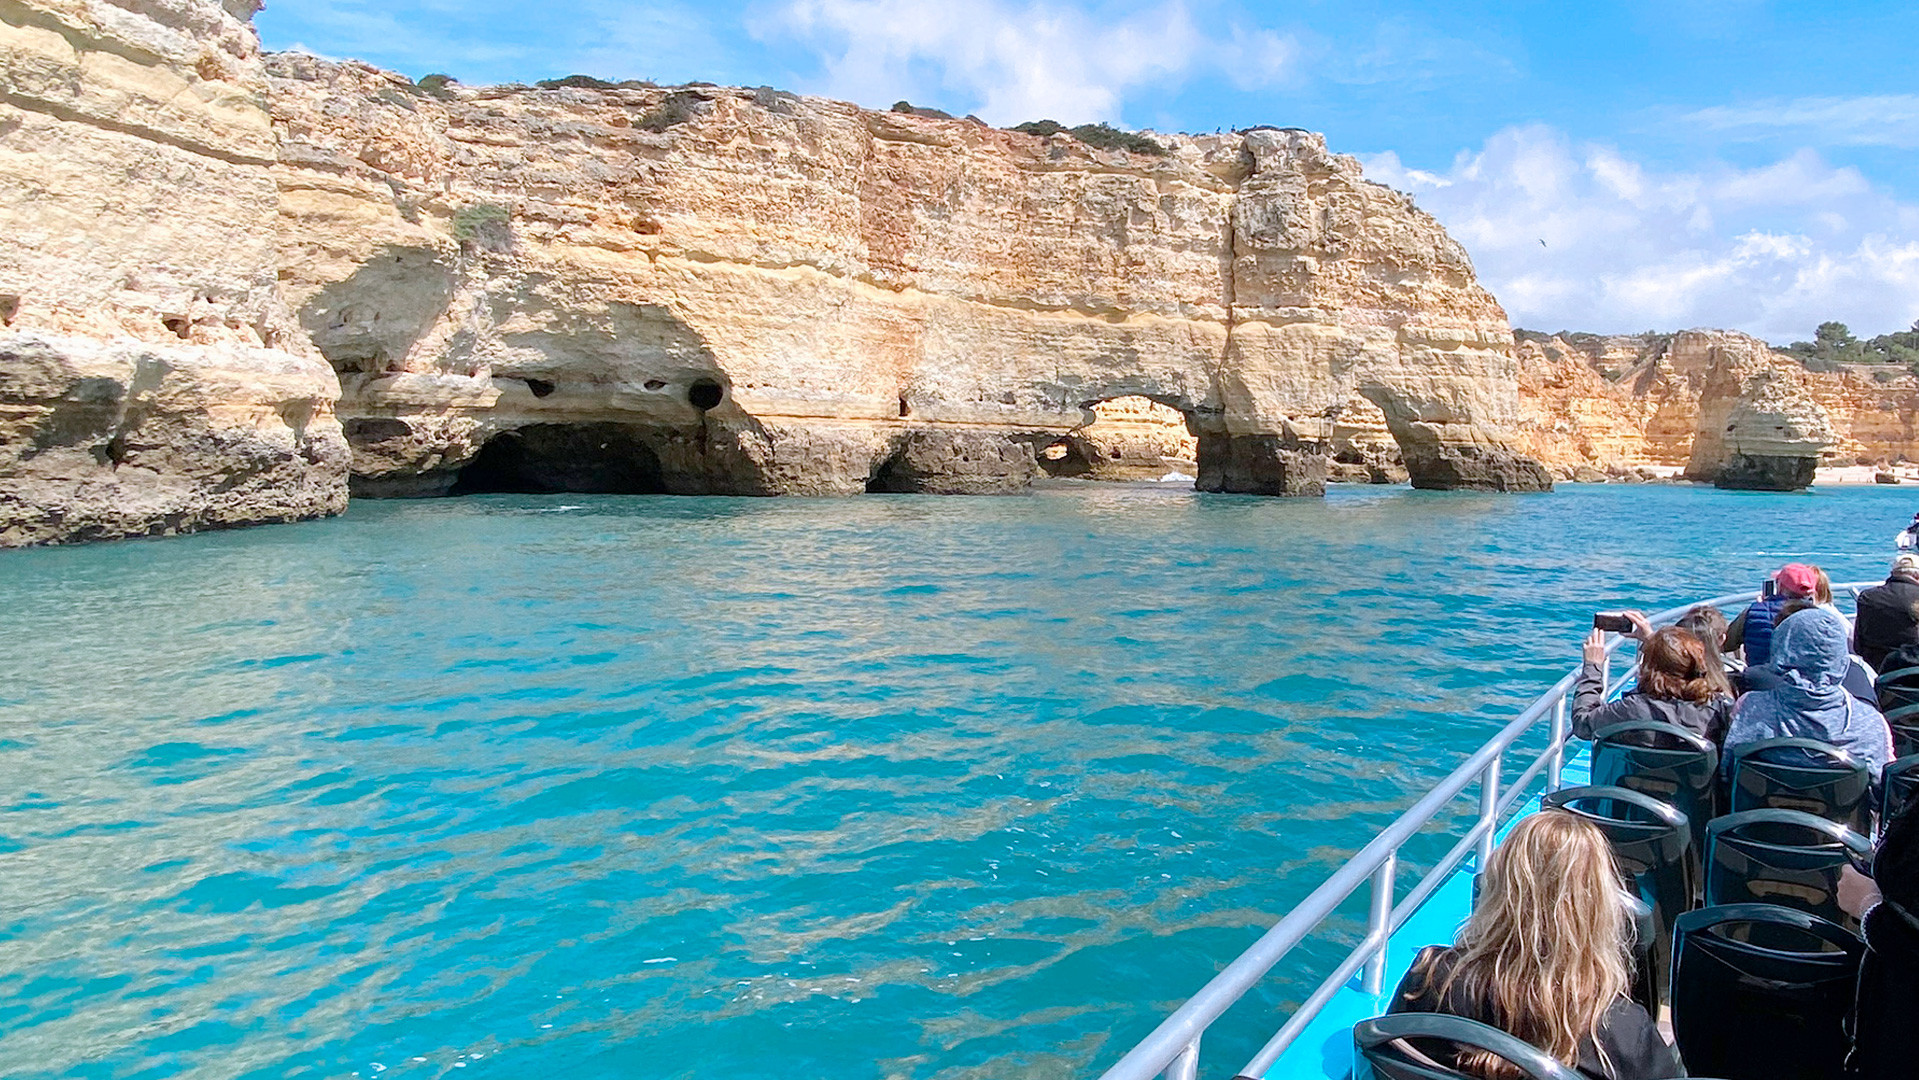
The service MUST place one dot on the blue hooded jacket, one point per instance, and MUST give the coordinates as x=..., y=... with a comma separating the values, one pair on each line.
x=1806, y=696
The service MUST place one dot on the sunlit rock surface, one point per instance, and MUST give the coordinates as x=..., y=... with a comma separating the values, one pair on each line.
x=150, y=382
x=885, y=302
x=1720, y=404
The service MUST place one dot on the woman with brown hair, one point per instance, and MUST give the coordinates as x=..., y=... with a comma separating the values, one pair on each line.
x=1546, y=957
x=1678, y=685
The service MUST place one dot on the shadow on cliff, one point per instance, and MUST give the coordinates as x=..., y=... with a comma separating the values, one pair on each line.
x=370, y=322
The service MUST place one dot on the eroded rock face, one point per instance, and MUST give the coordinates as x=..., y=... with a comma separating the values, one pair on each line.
x=124, y=438
x=1719, y=403
x=887, y=302
x=150, y=381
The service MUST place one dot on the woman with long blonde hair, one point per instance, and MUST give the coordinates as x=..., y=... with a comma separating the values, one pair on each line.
x=1547, y=957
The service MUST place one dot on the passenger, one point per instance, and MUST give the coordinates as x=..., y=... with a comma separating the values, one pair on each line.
x=1547, y=957
x=1885, y=1038
x=1859, y=678
x=1708, y=624
x=1752, y=629
x=1676, y=686
x=1804, y=695
x=1822, y=596
x=1889, y=613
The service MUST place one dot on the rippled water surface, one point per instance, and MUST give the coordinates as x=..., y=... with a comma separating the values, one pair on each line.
x=651, y=787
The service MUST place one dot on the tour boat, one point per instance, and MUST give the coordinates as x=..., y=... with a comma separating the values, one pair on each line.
x=1316, y=1040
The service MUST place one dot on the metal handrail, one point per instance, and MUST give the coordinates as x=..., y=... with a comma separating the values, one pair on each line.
x=1172, y=1049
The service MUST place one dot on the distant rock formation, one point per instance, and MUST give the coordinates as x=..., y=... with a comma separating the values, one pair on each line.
x=150, y=383
x=878, y=301
x=1723, y=405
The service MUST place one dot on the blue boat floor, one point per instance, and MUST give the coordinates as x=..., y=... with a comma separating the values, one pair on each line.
x=1324, y=1051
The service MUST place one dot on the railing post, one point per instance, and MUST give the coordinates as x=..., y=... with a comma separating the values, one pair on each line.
x=1379, y=923
x=1488, y=810
x=1186, y=1065
x=1558, y=760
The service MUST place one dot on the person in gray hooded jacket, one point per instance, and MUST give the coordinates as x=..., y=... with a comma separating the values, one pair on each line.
x=1675, y=686
x=1805, y=695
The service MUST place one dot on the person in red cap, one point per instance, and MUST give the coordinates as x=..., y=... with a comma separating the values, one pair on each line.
x=1753, y=628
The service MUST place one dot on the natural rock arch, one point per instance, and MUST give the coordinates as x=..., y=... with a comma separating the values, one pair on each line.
x=923, y=308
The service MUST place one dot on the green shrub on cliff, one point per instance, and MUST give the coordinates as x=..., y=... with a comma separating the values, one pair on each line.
x=676, y=108
x=483, y=225
x=576, y=82
x=1099, y=136
x=911, y=109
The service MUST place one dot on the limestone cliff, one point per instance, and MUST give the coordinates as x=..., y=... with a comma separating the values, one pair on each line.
x=747, y=291
x=149, y=381
x=208, y=260
x=1721, y=404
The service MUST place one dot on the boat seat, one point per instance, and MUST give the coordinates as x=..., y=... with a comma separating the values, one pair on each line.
x=1761, y=991
x=1898, y=692
x=1652, y=842
x=1784, y=857
x=1901, y=786
x=1664, y=761
x=1389, y=1048
x=1805, y=775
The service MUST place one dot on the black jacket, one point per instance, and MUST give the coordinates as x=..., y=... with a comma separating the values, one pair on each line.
x=1886, y=1023
x=1626, y=1032
x=1888, y=618
x=1592, y=712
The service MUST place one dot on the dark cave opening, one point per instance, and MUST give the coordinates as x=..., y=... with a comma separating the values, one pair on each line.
x=1067, y=457
x=606, y=459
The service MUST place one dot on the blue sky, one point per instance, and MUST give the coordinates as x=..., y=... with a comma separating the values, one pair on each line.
x=1735, y=163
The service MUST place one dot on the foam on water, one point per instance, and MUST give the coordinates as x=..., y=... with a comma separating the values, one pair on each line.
x=901, y=786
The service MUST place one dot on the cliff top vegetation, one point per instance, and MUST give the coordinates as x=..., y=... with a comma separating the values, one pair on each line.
x=1833, y=346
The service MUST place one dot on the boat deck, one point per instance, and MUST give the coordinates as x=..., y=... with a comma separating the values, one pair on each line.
x=1324, y=1051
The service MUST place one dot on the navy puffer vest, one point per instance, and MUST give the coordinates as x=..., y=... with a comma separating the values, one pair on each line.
x=1760, y=620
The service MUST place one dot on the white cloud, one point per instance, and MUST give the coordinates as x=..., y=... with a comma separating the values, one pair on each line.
x=1011, y=62
x=1872, y=120
x=1773, y=250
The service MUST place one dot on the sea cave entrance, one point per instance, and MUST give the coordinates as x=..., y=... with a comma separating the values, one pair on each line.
x=606, y=459
x=1131, y=437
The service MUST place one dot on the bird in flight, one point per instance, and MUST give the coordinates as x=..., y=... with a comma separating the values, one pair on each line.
x=1542, y=243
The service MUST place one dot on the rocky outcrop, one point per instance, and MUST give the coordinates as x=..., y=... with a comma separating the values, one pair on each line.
x=694, y=289
x=149, y=380
x=1720, y=404
x=876, y=301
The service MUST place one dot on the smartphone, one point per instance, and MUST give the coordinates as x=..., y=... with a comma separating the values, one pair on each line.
x=1617, y=624
x=1770, y=589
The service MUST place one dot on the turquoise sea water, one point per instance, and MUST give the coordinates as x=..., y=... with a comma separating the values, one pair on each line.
x=901, y=786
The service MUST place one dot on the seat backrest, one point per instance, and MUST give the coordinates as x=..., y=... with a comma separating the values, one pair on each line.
x=1802, y=774
x=1390, y=1048
x=1664, y=761
x=1897, y=687
x=1901, y=785
x=1762, y=991
x=1784, y=857
x=1652, y=842
x=1905, y=730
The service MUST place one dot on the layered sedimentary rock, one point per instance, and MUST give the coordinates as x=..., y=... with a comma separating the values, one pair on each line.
x=149, y=381
x=753, y=292
x=1722, y=405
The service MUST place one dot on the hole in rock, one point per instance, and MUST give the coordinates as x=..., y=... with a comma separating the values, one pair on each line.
x=656, y=384
x=1066, y=457
x=540, y=387
x=905, y=410
x=890, y=475
x=179, y=325
x=9, y=308
x=705, y=394
x=608, y=459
